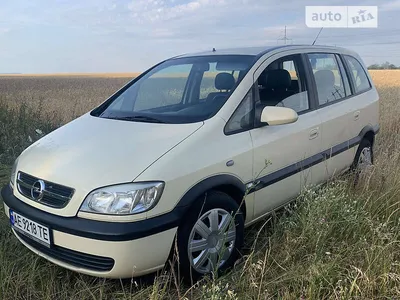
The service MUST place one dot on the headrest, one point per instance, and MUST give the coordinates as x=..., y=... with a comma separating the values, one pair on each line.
x=224, y=81
x=324, y=78
x=262, y=80
x=277, y=79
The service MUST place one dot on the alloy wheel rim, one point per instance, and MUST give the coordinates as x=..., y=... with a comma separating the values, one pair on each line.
x=211, y=241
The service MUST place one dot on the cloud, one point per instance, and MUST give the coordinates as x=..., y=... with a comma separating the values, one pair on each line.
x=203, y=21
x=164, y=10
x=162, y=33
x=136, y=33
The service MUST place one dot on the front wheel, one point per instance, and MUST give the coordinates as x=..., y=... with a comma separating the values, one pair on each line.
x=211, y=236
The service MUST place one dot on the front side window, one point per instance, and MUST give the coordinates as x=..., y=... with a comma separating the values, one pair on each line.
x=360, y=79
x=283, y=83
x=328, y=79
x=181, y=90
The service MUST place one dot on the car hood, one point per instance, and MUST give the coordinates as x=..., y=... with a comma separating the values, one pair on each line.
x=92, y=152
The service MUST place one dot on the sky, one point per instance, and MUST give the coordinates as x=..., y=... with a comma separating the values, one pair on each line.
x=57, y=36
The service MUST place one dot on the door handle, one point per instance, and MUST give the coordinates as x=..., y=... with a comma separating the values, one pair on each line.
x=356, y=115
x=314, y=133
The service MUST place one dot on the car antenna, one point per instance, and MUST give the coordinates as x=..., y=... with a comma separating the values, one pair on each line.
x=317, y=35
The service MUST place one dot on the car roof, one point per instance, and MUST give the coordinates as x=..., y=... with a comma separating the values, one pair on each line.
x=259, y=51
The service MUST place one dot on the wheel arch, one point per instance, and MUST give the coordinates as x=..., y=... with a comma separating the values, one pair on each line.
x=229, y=184
x=369, y=132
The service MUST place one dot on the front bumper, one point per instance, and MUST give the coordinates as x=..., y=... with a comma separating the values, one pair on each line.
x=102, y=249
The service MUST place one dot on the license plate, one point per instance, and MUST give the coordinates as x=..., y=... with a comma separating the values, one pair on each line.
x=29, y=228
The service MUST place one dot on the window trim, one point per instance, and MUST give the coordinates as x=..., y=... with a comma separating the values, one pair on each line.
x=347, y=68
x=310, y=83
x=342, y=69
x=305, y=84
x=346, y=65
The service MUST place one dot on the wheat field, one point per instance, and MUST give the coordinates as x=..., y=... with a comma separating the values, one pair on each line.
x=335, y=242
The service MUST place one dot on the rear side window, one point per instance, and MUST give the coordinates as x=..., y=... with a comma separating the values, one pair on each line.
x=328, y=79
x=360, y=78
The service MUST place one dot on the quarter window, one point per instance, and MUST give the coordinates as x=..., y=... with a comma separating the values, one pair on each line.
x=328, y=79
x=360, y=79
x=242, y=119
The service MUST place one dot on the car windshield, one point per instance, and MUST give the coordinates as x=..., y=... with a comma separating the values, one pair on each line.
x=181, y=90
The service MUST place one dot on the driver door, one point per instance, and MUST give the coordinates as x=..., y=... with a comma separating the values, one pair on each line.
x=284, y=154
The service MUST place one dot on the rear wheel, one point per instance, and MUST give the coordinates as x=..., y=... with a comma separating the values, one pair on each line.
x=364, y=158
x=211, y=236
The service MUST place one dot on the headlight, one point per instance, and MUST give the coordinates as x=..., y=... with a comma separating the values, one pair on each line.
x=13, y=173
x=124, y=199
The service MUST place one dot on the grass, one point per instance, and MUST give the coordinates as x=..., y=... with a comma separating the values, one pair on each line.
x=337, y=242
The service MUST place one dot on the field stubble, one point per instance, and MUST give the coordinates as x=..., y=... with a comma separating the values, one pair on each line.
x=337, y=242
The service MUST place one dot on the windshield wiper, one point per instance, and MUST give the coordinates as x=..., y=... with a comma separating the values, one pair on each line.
x=140, y=119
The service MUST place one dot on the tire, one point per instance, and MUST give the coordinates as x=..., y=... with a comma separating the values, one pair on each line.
x=361, y=160
x=214, y=245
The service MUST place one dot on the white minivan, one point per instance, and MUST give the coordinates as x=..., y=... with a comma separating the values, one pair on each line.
x=177, y=158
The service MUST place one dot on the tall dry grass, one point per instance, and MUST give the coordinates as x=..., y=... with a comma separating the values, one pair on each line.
x=335, y=242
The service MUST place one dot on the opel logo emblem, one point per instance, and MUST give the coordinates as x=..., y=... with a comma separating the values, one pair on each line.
x=37, y=190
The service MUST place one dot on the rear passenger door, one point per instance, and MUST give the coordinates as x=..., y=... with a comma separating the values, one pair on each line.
x=336, y=111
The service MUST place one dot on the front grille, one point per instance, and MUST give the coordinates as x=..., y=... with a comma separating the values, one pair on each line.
x=71, y=257
x=52, y=194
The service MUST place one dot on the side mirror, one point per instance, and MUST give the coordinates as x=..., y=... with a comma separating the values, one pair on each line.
x=272, y=115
